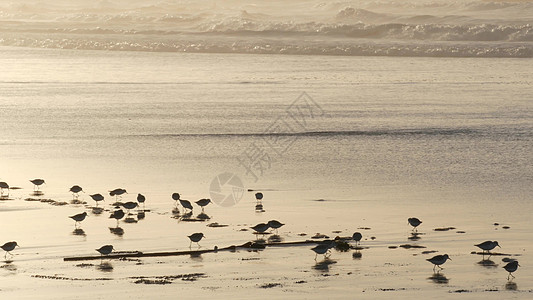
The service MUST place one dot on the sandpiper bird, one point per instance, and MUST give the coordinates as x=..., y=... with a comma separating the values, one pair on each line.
x=258, y=196
x=357, y=236
x=176, y=197
x=78, y=218
x=75, y=190
x=3, y=186
x=105, y=250
x=129, y=205
x=323, y=248
x=511, y=267
x=37, y=183
x=117, y=192
x=97, y=198
x=203, y=203
x=487, y=246
x=9, y=246
x=141, y=199
x=196, y=237
x=438, y=260
x=117, y=214
x=414, y=222
x=260, y=228
x=275, y=224
x=186, y=204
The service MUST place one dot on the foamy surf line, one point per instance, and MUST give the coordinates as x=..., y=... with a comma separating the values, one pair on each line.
x=262, y=46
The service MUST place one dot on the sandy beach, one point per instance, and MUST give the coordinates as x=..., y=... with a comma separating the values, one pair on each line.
x=391, y=261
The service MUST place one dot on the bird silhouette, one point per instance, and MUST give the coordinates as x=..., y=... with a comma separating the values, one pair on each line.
x=438, y=260
x=97, y=198
x=203, y=203
x=8, y=247
x=414, y=222
x=78, y=218
x=37, y=183
x=196, y=237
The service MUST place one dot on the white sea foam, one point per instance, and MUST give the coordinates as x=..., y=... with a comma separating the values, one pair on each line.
x=412, y=28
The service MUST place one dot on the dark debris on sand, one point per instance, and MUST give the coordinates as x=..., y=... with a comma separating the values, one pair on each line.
x=49, y=201
x=270, y=285
x=68, y=278
x=167, y=279
x=444, y=229
x=408, y=246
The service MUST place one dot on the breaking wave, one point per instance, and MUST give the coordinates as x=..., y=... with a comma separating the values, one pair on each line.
x=362, y=28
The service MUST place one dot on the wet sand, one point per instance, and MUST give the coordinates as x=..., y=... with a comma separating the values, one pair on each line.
x=391, y=263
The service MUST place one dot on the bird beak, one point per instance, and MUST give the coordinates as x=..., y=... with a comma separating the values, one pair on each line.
x=499, y=246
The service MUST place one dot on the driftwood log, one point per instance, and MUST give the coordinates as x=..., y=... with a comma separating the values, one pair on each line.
x=248, y=245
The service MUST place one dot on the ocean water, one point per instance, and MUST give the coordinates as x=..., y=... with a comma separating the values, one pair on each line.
x=433, y=28
x=315, y=127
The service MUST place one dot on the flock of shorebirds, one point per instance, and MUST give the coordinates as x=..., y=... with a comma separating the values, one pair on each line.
x=323, y=247
x=438, y=260
x=118, y=214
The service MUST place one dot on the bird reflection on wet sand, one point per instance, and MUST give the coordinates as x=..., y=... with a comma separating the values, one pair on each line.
x=203, y=216
x=105, y=266
x=275, y=239
x=511, y=286
x=487, y=263
x=415, y=236
x=9, y=266
x=323, y=265
x=439, y=278
x=97, y=210
x=357, y=254
x=197, y=257
x=118, y=231
x=79, y=231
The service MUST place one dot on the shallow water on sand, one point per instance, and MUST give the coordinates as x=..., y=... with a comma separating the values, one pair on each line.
x=446, y=140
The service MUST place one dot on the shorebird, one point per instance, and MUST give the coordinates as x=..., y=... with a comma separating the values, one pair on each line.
x=275, y=224
x=9, y=246
x=141, y=199
x=97, y=198
x=196, y=237
x=3, y=186
x=203, y=203
x=357, y=236
x=511, y=267
x=176, y=197
x=258, y=197
x=323, y=248
x=414, y=222
x=75, y=190
x=438, y=260
x=186, y=204
x=105, y=250
x=130, y=205
x=260, y=228
x=117, y=192
x=487, y=246
x=117, y=214
x=78, y=218
x=37, y=183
